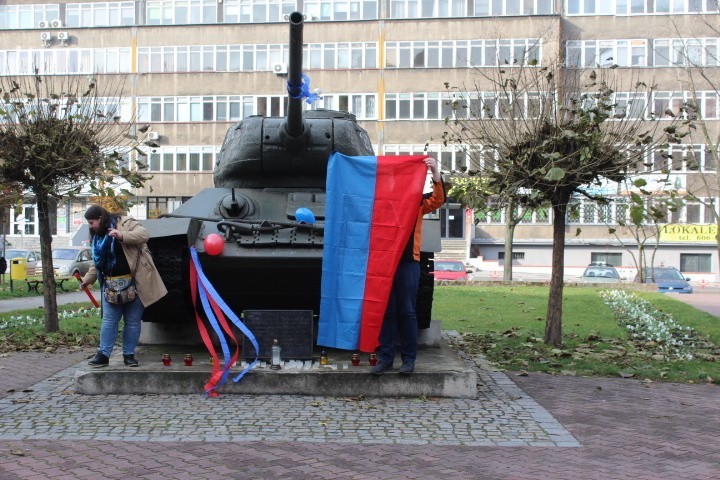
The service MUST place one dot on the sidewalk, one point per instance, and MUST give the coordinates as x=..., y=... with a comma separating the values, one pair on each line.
x=707, y=302
x=531, y=427
x=519, y=427
x=25, y=303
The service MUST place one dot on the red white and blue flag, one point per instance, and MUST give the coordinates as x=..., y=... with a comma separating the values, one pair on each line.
x=372, y=205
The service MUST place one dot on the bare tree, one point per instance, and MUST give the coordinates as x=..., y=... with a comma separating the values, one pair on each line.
x=647, y=208
x=546, y=135
x=62, y=136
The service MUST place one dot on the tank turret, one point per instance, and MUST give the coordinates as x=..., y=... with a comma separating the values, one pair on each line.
x=292, y=151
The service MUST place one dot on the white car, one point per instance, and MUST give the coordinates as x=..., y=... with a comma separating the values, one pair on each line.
x=68, y=260
x=31, y=256
x=601, y=274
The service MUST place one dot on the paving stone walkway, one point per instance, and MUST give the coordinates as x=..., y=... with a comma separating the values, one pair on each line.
x=501, y=415
x=528, y=427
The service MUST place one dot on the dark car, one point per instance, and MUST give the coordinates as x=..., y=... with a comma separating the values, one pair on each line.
x=667, y=279
x=452, y=270
x=600, y=274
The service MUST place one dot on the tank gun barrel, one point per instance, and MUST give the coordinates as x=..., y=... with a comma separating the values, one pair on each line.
x=294, y=126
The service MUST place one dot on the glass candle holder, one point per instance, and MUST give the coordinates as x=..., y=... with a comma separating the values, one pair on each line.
x=355, y=359
x=373, y=359
x=188, y=359
x=166, y=359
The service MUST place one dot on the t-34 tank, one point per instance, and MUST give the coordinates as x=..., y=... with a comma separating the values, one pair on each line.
x=268, y=167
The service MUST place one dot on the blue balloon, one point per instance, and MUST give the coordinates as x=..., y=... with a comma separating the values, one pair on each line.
x=304, y=215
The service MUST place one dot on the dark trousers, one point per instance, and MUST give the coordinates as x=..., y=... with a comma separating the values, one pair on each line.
x=400, y=318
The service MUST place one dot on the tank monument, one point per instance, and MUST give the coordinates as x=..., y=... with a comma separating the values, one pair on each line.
x=268, y=206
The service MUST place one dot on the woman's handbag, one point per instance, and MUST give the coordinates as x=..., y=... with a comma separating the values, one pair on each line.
x=119, y=290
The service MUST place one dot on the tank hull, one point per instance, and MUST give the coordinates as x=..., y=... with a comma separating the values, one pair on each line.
x=269, y=261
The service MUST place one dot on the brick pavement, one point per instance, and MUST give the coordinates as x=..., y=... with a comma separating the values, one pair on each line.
x=613, y=429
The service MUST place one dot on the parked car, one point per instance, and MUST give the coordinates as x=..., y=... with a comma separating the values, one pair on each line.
x=68, y=260
x=452, y=270
x=667, y=279
x=32, y=256
x=600, y=274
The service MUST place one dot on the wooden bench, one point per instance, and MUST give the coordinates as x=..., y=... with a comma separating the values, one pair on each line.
x=34, y=280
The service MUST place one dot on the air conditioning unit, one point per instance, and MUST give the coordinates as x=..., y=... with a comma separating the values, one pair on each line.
x=63, y=36
x=44, y=24
x=280, y=68
x=153, y=136
x=56, y=23
x=46, y=37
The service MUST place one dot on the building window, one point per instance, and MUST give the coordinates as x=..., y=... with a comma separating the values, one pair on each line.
x=613, y=259
x=362, y=105
x=639, y=7
x=66, y=61
x=253, y=58
x=695, y=262
x=25, y=221
x=338, y=10
x=157, y=206
x=462, y=53
x=100, y=14
x=606, y=53
x=515, y=256
x=589, y=7
x=178, y=12
x=182, y=159
x=28, y=16
x=427, y=8
x=697, y=52
x=230, y=108
x=486, y=8
x=257, y=11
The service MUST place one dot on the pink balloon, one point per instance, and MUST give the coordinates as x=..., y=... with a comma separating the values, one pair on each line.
x=214, y=244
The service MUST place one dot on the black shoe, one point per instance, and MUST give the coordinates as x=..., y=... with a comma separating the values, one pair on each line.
x=381, y=368
x=99, y=360
x=130, y=360
x=406, y=368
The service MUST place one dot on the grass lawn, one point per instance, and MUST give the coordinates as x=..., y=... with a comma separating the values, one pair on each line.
x=24, y=329
x=507, y=324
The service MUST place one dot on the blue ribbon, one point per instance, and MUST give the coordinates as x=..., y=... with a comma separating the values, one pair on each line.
x=206, y=285
x=303, y=90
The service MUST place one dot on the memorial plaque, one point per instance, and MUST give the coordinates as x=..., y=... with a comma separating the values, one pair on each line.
x=293, y=329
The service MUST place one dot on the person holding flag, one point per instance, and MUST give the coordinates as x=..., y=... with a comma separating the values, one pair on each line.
x=400, y=317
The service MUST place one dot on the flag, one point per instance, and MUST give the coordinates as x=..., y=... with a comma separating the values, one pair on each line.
x=372, y=204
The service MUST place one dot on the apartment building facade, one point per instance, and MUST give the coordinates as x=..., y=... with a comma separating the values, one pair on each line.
x=191, y=69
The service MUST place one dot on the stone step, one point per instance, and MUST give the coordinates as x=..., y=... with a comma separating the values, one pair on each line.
x=439, y=372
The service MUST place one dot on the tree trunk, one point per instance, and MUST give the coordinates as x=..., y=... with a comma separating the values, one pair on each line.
x=717, y=237
x=642, y=263
x=52, y=323
x=553, y=323
x=509, y=234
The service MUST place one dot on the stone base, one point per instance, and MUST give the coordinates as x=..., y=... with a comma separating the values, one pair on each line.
x=439, y=372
